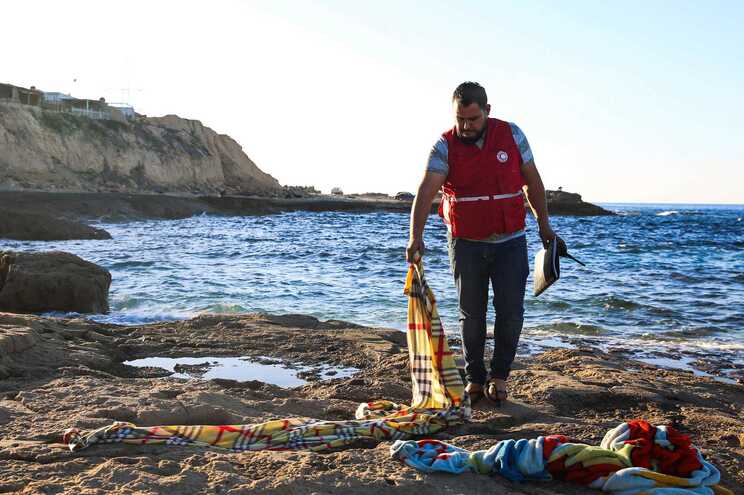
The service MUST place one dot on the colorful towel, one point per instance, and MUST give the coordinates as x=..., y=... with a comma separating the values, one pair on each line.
x=634, y=458
x=439, y=400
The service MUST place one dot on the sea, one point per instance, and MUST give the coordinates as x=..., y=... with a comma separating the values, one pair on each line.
x=662, y=282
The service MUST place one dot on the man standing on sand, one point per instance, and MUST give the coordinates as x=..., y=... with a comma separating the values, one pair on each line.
x=483, y=167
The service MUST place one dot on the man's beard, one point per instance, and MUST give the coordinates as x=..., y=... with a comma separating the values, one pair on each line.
x=474, y=139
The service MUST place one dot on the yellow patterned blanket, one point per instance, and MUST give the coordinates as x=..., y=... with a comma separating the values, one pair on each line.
x=439, y=400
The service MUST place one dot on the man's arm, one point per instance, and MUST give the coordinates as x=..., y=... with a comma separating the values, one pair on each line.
x=535, y=192
x=420, y=211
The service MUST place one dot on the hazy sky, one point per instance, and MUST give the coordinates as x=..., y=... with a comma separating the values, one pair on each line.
x=621, y=101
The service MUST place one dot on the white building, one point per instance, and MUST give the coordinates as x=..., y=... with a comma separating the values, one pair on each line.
x=55, y=97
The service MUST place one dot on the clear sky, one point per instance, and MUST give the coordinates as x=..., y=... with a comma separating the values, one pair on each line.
x=623, y=101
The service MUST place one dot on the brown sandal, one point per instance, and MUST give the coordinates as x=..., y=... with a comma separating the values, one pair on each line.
x=475, y=395
x=494, y=393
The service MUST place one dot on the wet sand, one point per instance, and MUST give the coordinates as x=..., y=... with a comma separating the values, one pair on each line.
x=58, y=373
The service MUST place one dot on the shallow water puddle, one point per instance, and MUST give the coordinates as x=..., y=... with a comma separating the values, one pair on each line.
x=243, y=369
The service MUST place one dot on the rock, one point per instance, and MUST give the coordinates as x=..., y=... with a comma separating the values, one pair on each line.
x=299, y=191
x=52, y=281
x=566, y=203
x=404, y=196
x=25, y=226
x=371, y=195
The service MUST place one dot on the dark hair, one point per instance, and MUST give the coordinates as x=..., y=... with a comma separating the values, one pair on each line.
x=470, y=92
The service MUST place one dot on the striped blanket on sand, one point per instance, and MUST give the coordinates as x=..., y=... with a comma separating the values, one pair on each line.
x=439, y=400
x=634, y=458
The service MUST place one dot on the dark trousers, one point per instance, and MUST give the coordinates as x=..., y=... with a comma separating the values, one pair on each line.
x=505, y=266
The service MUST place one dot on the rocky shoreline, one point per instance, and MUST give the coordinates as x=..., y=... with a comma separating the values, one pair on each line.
x=56, y=373
x=38, y=215
x=126, y=206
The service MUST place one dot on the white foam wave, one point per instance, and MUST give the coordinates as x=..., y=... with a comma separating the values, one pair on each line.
x=141, y=318
x=667, y=213
x=733, y=349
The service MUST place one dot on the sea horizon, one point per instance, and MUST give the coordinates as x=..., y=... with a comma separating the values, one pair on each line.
x=606, y=204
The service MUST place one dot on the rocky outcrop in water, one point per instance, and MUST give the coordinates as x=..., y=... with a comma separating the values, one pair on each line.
x=566, y=203
x=52, y=281
x=46, y=150
x=25, y=226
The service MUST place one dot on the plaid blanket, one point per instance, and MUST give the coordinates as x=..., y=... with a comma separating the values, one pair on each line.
x=439, y=400
x=437, y=383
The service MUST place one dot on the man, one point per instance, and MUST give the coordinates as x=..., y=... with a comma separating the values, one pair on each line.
x=483, y=167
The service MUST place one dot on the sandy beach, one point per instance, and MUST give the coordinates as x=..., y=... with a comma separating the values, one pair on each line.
x=60, y=373
x=215, y=219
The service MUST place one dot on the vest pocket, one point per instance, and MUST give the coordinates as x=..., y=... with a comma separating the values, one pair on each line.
x=475, y=219
x=513, y=213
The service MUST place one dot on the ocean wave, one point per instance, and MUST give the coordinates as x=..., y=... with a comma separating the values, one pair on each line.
x=652, y=342
x=222, y=308
x=695, y=332
x=624, y=213
x=631, y=248
x=657, y=311
x=667, y=213
x=140, y=318
x=555, y=304
x=124, y=302
x=570, y=328
x=613, y=302
x=123, y=265
x=683, y=277
x=129, y=318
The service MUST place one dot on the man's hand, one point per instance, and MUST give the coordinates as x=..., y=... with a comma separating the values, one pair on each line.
x=546, y=234
x=414, y=246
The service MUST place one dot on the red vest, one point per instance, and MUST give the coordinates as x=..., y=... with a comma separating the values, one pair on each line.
x=482, y=195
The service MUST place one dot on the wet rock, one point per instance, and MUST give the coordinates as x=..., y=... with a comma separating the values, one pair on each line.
x=193, y=369
x=25, y=226
x=52, y=281
x=5, y=415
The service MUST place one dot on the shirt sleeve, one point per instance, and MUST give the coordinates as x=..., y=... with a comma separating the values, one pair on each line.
x=438, y=158
x=524, y=146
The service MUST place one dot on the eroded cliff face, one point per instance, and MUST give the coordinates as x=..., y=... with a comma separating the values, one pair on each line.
x=52, y=151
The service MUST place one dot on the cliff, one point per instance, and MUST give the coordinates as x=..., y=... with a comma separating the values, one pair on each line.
x=52, y=151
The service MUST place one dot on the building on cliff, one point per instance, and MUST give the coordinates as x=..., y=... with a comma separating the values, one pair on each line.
x=55, y=97
x=126, y=110
x=27, y=96
x=61, y=102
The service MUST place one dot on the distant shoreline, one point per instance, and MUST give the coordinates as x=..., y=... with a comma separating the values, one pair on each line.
x=132, y=206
